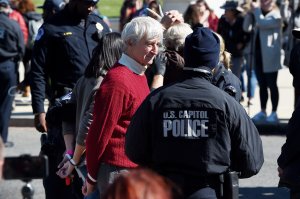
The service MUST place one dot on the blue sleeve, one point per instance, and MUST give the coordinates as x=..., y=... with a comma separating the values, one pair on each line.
x=37, y=73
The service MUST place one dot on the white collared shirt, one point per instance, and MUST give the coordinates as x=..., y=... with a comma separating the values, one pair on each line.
x=132, y=64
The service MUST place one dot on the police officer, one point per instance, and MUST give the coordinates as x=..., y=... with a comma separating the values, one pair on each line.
x=50, y=7
x=191, y=131
x=62, y=50
x=11, y=51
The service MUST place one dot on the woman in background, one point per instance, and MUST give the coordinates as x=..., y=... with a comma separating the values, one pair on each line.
x=105, y=55
x=267, y=53
x=199, y=13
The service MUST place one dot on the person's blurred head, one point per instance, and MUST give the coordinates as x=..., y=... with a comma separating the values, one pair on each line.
x=174, y=36
x=192, y=15
x=50, y=7
x=140, y=184
x=4, y=6
x=142, y=35
x=202, y=49
x=105, y=55
x=26, y=6
x=14, y=4
x=1, y=156
x=203, y=5
x=232, y=10
x=82, y=8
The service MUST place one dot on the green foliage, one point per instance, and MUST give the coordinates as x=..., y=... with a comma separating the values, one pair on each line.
x=109, y=8
x=38, y=3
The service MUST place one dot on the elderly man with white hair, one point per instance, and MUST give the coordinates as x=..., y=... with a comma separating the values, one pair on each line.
x=120, y=94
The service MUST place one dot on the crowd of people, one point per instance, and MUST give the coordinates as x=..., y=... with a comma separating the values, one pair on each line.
x=161, y=94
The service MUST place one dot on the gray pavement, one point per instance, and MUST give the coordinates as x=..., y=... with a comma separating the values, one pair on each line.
x=261, y=186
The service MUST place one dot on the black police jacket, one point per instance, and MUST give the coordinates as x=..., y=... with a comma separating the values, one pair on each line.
x=62, y=50
x=227, y=81
x=11, y=39
x=193, y=128
x=289, y=159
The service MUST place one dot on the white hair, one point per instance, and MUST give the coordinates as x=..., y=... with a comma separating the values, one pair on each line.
x=174, y=37
x=141, y=27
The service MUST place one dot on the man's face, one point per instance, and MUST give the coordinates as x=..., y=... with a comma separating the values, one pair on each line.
x=229, y=15
x=84, y=7
x=143, y=51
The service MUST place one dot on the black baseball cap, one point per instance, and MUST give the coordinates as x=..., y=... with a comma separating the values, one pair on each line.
x=57, y=5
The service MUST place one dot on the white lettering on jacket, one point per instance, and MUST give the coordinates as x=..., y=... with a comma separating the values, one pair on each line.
x=188, y=124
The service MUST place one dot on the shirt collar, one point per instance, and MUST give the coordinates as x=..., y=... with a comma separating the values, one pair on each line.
x=132, y=64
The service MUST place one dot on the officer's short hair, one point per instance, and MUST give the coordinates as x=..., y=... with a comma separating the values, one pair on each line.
x=175, y=36
x=141, y=27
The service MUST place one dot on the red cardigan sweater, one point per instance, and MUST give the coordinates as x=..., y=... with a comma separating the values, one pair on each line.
x=119, y=96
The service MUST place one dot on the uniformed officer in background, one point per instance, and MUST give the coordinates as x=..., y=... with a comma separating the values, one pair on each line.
x=62, y=50
x=11, y=52
x=193, y=132
x=50, y=7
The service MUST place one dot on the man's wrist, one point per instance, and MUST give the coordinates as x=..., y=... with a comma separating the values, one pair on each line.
x=69, y=157
x=36, y=114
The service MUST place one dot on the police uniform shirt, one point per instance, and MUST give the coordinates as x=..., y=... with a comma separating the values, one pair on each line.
x=193, y=128
x=63, y=49
x=11, y=39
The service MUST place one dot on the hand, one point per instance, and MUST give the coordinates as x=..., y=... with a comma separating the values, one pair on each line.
x=170, y=18
x=160, y=63
x=254, y=5
x=87, y=188
x=64, y=160
x=65, y=170
x=280, y=172
x=40, y=122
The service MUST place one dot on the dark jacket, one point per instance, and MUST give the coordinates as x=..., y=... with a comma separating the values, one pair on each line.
x=294, y=65
x=194, y=129
x=233, y=35
x=62, y=50
x=227, y=81
x=11, y=39
x=289, y=159
x=174, y=65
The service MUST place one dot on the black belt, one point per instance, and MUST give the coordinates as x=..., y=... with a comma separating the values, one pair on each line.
x=190, y=184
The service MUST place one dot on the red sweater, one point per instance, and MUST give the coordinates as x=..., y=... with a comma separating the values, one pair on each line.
x=17, y=16
x=119, y=96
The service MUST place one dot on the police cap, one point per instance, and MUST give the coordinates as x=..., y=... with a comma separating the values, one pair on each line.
x=57, y=5
x=4, y=2
x=92, y=1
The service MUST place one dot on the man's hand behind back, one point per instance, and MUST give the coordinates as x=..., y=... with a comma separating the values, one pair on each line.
x=40, y=122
